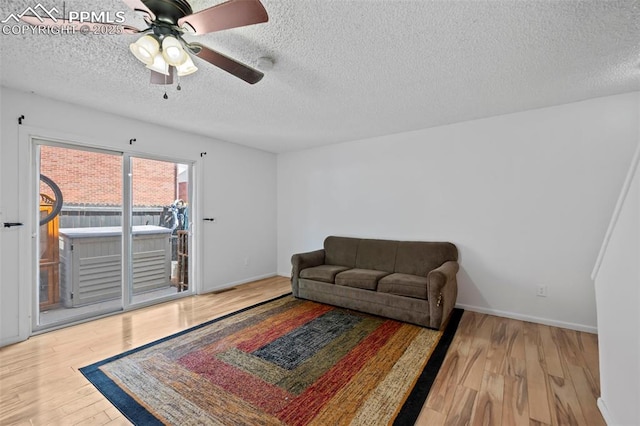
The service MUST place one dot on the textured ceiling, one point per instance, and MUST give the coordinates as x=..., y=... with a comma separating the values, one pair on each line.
x=347, y=70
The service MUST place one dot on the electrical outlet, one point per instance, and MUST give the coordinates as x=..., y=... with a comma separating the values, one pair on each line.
x=246, y=261
x=542, y=291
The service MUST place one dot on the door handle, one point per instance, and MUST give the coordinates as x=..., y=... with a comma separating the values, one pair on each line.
x=12, y=224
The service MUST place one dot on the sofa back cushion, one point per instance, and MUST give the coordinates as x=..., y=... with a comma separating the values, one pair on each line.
x=419, y=258
x=341, y=251
x=376, y=254
x=405, y=257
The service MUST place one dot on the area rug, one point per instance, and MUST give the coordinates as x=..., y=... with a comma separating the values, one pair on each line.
x=282, y=362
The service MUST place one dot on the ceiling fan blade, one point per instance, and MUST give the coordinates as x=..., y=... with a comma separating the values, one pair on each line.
x=231, y=14
x=138, y=6
x=81, y=27
x=231, y=66
x=159, y=78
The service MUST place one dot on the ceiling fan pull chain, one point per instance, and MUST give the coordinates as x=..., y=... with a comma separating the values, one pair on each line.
x=165, y=85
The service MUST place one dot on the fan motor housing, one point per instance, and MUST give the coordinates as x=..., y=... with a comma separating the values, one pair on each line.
x=168, y=11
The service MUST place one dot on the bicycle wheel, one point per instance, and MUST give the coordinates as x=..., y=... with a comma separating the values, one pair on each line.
x=57, y=203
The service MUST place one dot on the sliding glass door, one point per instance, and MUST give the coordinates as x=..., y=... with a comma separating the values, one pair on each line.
x=113, y=232
x=80, y=214
x=159, y=241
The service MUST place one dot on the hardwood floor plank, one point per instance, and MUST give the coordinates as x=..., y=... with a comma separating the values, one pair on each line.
x=488, y=407
x=497, y=347
x=475, y=361
x=463, y=346
x=587, y=342
x=429, y=417
x=469, y=324
x=90, y=415
x=442, y=391
x=551, y=351
x=537, y=381
x=113, y=412
x=515, y=410
x=587, y=393
x=537, y=423
x=591, y=358
x=515, y=339
x=23, y=423
x=473, y=368
x=565, y=408
x=462, y=408
x=121, y=421
x=14, y=361
x=440, y=397
x=484, y=328
x=568, y=345
x=515, y=367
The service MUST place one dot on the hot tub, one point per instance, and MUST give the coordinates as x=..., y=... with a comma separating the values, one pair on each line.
x=91, y=262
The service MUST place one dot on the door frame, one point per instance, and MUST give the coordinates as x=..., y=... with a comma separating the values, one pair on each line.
x=29, y=243
x=127, y=248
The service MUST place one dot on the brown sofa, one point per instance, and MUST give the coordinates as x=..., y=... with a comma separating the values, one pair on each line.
x=409, y=281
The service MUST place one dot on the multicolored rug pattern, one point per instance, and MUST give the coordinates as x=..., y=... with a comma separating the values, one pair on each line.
x=284, y=362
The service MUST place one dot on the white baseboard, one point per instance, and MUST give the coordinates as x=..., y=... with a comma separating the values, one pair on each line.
x=505, y=314
x=242, y=281
x=538, y=320
x=605, y=413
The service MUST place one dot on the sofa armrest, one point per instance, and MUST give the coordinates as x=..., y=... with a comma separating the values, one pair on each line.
x=442, y=291
x=302, y=261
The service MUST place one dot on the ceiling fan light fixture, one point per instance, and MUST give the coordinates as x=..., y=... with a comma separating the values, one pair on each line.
x=173, y=52
x=145, y=49
x=159, y=65
x=188, y=67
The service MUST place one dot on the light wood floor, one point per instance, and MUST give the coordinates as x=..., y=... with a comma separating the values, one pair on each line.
x=500, y=371
x=497, y=371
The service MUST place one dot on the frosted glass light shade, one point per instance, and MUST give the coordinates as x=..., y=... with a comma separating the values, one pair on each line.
x=188, y=67
x=145, y=49
x=172, y=51
x=159, y=65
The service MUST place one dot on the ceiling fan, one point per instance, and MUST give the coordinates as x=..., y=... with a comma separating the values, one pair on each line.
x=163, y=49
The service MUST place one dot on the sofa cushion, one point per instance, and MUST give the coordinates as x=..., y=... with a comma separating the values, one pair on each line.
x=404, y=285
x=360, y=278
x=340, y=251
x=376, y=254
x=419, y=258
x=324, y=273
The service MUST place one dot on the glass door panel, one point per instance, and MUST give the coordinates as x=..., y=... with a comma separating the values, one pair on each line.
x=159, y=229
x=79, y=237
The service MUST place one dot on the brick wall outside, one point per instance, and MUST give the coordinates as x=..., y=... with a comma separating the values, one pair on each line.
x=96, y=178
x=154, y=182
x=183, y=191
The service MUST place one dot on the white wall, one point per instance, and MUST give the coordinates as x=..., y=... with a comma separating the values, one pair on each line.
x=617, y=282
x=526, y=197
x=244, y=206
x=237, y=186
